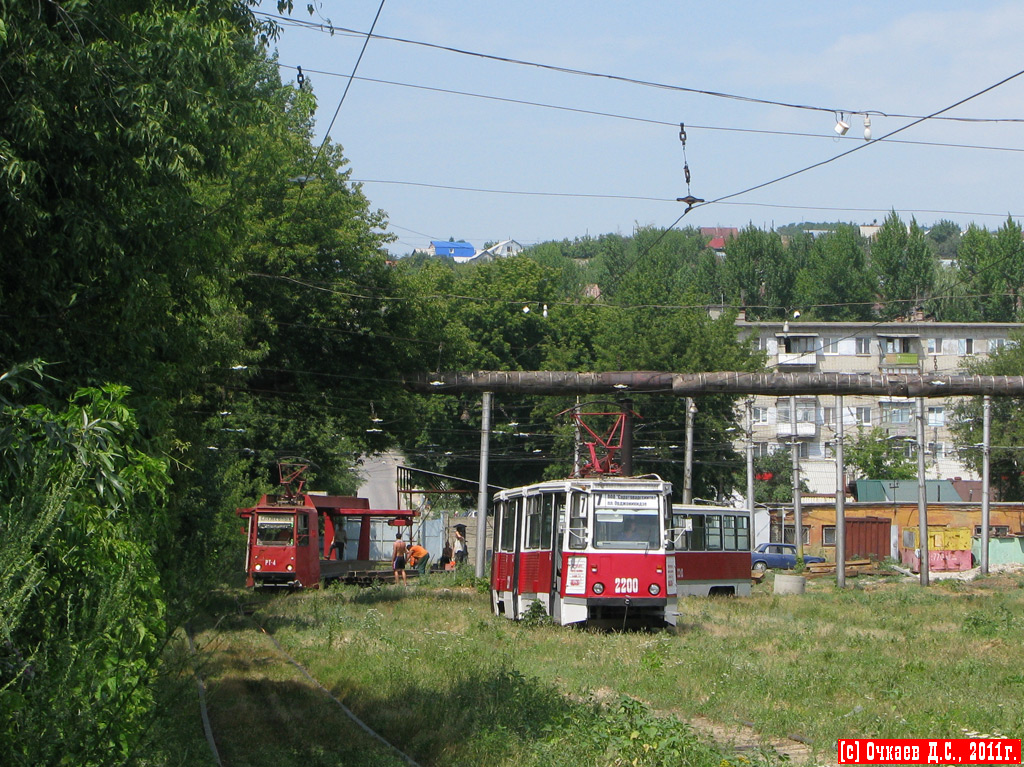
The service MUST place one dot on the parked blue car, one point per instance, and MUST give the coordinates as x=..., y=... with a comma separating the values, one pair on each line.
x=779, y=556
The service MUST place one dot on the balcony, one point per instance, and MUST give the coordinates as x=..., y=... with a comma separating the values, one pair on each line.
x=797, y=359
x=902, y=359
x=803, y=429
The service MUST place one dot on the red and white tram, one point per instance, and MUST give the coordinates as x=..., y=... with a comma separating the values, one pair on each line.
x=612, y=551
x=710, y=546
x=589, y=550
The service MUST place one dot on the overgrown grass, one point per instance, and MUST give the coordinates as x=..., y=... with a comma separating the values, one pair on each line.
x=430, y=669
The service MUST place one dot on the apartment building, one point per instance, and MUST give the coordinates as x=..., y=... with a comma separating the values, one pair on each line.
x=907, y=348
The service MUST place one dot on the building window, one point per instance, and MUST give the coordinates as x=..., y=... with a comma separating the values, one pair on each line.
x=800, y=344
x=994, y=531
x=759, y=414
x=805, y=410
x=830, y=346
x=828, y=535
x=896, y=345
x=761, y=450
x=937, y=416
x=828, y=416
x=863, y=345
x=933, y=346
x=936, y=449
x=804, y=449
x=996, y=344
x=965, y=347
x=789, y=534
x=863, y=416
x=896, y=412
x=910, y=449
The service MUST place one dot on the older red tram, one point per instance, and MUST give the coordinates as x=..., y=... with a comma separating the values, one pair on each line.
x=289, y=536
x=710, y=547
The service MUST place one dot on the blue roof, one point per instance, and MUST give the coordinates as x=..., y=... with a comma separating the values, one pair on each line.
x=460, y=249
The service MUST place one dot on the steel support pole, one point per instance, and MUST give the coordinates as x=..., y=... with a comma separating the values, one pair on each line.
x=922, y=494
x=840, y=499
x=986, y=455
x=626, y=459
x=481, y=497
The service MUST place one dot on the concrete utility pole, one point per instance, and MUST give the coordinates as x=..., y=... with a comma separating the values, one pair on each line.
x=840, y=499
x=750, y=467
x=798, y=512
x=481, y=496
x=922, y=494
x=986, y=455
x=691, y=411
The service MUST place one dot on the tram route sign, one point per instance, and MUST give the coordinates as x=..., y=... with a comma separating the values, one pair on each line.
x=627, y=501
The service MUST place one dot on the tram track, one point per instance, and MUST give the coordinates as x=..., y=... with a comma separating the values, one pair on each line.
x=270, y=704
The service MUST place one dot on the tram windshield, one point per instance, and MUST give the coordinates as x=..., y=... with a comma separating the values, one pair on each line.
x=626, y=521
x=275, y=529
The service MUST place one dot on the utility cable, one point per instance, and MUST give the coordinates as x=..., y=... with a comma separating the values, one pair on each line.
x=631, y=80
x=645, y=120
x=866, y=144
x=348, y=85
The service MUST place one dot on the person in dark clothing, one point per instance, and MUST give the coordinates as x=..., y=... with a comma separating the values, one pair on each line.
x=461, y=549
x=340, y=538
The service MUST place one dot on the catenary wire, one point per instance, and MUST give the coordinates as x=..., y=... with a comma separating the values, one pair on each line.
x=649, y=121
x=629, y=80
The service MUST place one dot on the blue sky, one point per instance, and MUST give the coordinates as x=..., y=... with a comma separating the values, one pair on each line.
x=557, y=173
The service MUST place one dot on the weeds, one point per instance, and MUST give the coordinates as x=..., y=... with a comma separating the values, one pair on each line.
x=431, y=668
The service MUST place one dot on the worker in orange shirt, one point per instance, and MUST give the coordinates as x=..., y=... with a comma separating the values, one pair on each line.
x=418, y=558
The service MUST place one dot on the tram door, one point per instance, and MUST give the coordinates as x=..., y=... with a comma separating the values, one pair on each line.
x=554, y=510
x=517, y=518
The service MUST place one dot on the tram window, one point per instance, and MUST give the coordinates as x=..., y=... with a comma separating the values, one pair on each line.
x=508, y=524
x=498, y=515
x=713, y=532
x=533, y=522
x=742, y=534
x=274, y=529
x=577, y=521
x=625, y=529
x=729, y=533
x=302, y=528
x=696, y=539
x=551, y=502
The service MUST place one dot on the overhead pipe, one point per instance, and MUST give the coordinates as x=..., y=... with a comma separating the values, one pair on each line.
x=545, y=382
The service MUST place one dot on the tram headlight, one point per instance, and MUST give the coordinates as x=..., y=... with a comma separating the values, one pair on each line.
x=289, y=568
x=258, y=567
x=655, y=589
x=598, y=588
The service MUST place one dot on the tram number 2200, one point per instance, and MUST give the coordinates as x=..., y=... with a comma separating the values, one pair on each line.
x=627, y=585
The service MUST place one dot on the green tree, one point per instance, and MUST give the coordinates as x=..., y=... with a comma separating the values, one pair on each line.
x=904, y=267
x=81, y=611
x=773, y=478
x=944, y=238
x=870, y=455
x=835, y=285
x=758, y=273
x=1006, y=464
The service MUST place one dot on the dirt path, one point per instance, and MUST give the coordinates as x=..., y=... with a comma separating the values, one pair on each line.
x=743, y=738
